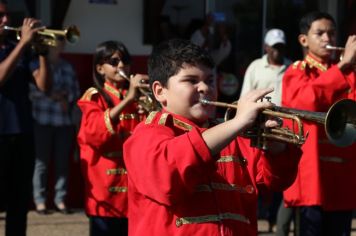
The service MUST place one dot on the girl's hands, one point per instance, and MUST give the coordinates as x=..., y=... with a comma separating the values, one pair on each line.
x=138, y=84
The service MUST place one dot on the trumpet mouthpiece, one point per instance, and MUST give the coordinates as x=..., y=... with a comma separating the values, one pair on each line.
x=204, y=101
x=123, y=74
x=330, y=47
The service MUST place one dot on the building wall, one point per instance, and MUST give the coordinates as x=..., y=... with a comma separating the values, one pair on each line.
x=100, y=22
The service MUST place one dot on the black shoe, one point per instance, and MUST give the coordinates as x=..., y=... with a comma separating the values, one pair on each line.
x=64, y=210
x=42, y=212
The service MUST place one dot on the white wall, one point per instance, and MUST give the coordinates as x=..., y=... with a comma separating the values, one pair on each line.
x=100, y=22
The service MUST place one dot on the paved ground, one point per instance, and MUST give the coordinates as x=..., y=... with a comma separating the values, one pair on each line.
x=76, y=224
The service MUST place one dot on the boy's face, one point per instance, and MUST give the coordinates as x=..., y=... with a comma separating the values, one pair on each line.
x=4, y=19
x=184, y=90
x=321, y=33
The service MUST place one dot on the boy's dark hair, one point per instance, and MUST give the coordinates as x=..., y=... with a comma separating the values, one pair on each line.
x=168, y=58
x=104, y=52
x=307, y=20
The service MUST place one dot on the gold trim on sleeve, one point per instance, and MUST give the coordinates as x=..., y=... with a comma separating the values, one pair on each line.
x=224, y=187
x=230, y=158
x=128, y=116
x=108, y=122
x=334, y=159
x=116, y=189
x=118, y=171
x=208, y=218
x=113, y=154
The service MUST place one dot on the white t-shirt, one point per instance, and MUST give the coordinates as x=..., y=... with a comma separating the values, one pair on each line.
x=260, y=75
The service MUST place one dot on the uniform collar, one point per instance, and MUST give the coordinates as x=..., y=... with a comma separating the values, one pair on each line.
x=113, y=90
x=313, y=62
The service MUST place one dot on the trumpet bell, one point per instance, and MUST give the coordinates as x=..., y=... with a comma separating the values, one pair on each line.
x=340, y=123
x=72, y=34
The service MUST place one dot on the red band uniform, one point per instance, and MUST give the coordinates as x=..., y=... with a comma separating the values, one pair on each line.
x=182, y=199
x=310, y=85
x=100, y=142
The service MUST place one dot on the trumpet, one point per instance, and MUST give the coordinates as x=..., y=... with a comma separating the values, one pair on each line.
x=329, y=47
x=339, y=124
x=49, y=36
x=148, y=103
x=334, y=48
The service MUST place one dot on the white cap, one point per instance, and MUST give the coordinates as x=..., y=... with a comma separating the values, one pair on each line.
x=274, y=36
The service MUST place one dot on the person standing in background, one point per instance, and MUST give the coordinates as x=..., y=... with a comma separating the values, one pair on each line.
x=324, y=191
x=16, y=134
x=54, y=129
x=268, y=71
x=109, y=115
x=213, y=36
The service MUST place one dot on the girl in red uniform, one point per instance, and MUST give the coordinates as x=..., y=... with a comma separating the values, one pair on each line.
x=109, y=114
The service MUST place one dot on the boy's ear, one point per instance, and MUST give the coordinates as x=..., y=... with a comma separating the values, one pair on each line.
x=158, y=92
x=302, y=38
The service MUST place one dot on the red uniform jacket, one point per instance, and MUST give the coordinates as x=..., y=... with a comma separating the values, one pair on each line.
x=100, y=143
x=178, y=188
x=326, y=175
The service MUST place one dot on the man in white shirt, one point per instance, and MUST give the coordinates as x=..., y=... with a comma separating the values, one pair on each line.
x=268, y=71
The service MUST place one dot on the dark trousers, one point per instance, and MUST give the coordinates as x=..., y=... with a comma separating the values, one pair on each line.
x=314, y=221
x=108, y=226
x=16, y=170
x=284, y=218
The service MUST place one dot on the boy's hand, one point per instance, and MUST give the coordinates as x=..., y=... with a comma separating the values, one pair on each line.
x=349, y=57
x=248, y=107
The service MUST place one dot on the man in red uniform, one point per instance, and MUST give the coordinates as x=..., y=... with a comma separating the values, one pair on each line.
x=325, y=188
x=185, y=179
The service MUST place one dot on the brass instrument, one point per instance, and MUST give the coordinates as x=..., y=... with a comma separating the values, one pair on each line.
x=49, y=36
x=334, y=48
x=339, y=123
x=148, y=103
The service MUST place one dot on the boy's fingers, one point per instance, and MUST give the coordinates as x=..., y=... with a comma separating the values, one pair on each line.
x=258, y=94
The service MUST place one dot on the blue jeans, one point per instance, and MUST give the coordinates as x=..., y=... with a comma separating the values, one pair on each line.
x=52, y=142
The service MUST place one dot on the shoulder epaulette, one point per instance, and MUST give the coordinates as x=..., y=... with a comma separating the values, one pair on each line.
x=167, y=120
x=89, y=93
x=150, y=117
x=159, y=118
x=299, y=65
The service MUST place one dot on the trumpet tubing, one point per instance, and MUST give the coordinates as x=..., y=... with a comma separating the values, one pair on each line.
x=49, y=36
x=334, y=48
x=339, y=49
x=149, y=103
x=339, y=123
